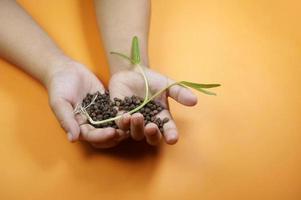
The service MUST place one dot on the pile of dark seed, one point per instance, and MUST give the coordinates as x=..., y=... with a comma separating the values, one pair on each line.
x=104, y=108
x=149, y=111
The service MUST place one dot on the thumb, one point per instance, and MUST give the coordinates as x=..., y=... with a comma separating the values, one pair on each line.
x=63, y=110
x=182, y=95
x=179, y=93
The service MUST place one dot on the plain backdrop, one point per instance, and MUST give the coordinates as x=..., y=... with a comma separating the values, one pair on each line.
x=242, y=144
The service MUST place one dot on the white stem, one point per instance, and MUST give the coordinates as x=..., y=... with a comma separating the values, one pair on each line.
x=83, y=110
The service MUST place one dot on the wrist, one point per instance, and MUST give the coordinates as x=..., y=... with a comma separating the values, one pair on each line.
x=117, y=64
x=60, y=63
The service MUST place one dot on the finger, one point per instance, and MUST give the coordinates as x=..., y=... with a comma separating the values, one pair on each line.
x=121, y=135
x=137, y=126
x=152, y=134
x=91, y=134
x=170, y=131
x=63, y=110
x=182, y=95
x=81, y=119
x=124, y=122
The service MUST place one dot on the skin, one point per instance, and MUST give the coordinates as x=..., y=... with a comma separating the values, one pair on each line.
x=129, y=82
x=119, y=21
x=25, y=44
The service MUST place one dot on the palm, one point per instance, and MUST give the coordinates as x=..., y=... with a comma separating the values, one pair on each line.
x=128, y=83
x=67, y=88
x=73, y=84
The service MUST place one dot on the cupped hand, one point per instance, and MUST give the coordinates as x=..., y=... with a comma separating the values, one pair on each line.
x=67, y=87
x=130, y=82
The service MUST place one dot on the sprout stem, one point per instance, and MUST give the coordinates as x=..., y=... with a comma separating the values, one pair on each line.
x=135, y=60
x=146, y=100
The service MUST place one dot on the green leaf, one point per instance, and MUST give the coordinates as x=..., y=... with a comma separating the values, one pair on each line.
x=199, y=85
x=205, y=91
x=122, y=55
x=135, y=57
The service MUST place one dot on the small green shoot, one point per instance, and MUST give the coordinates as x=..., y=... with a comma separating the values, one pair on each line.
x=136, y=60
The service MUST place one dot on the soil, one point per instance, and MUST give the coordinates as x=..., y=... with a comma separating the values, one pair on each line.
x=104, y=108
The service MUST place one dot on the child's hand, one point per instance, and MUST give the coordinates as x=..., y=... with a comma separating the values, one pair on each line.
x=129, y=82
x=67, y=87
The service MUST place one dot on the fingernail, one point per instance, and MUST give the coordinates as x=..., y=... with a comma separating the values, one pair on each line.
x=70, y=138
x=126, y=116
x=172, y=139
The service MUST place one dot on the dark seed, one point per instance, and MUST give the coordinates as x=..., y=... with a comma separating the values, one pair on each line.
x=165, y=120
x=104, y=108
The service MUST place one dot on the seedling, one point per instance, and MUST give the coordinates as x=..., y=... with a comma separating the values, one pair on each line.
x=136, y=62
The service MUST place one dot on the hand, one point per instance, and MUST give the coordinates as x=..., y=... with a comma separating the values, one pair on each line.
x=67, y=86
x=130, y=82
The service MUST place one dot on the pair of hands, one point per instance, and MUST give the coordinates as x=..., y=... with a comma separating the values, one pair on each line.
x=70, y=84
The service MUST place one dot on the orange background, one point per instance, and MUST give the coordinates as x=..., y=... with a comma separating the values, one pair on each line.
x=242, y=144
